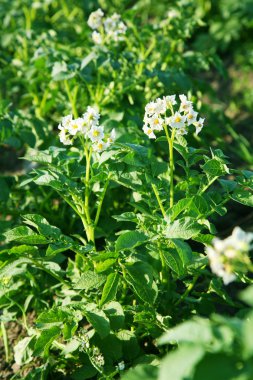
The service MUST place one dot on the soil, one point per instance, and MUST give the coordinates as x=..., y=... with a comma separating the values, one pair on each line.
x=15, y=332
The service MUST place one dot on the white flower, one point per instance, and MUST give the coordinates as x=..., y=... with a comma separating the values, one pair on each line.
x=160, y=106
x=150, y=108
x=170, y=100
x=199, y=125
x=95, y=19
x=185, y=105
x=121, y=366
x=112, y=137
x=91, y=116
x=191, y=116
x=96, y=133
x=66, y=121
x=156, y=122
x=64, y=137
x=115, y=28
x=149, y=132
x=230, y=255
x=97, y=38
x=110, y=23
x=177, y=120
x=99, y=146
x=76, y=126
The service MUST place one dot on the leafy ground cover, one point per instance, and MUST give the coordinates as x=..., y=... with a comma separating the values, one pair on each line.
x=126, y=190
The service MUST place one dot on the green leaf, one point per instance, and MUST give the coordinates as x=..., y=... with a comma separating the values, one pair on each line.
x=45, y=340
x=23, y=250
x=51, y=318
x=180, y=364
x=194, y=331
x=184, y=228
x=130, y=240
x=37, y=156
x=97, y=319
x=142, y=371
x=22, y=351
x=140, y=276
x=129, y=344
x=243, y=196
x=110, y=288
x=24, y=235
x=90, y=280
x=184, y=251
x=214, y=168
x=180, y=206
x=115, y=313
x=174, y=262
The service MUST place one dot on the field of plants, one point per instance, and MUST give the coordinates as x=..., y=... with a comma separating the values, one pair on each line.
x=126, y=189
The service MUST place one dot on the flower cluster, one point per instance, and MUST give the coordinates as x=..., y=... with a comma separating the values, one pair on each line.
x=106, y=29
x=156, y=116
x=88, y=127
x=230, y=256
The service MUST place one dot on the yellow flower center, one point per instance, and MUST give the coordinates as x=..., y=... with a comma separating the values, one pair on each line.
x=100, y=146
x=149, y=131
x=190, y=116
x=156, y=121
x=95, y=133
x=75, y=126
x=178, y=119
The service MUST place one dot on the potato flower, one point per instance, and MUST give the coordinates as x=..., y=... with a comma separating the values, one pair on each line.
x=86, y=128
x=160, y=114
x=230, y=256
x=106, y=29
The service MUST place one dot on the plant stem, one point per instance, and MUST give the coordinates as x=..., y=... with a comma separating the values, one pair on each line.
x=101, y=201
x=158, y=199
x=5, y=341
x=171, y=162
x=188, y=290
x=90, y=227
x=72, y=98
x=208, y=184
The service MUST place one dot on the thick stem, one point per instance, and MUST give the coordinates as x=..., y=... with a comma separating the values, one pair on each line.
x=90, y=228
x=72, y=98
x=208, y=184
x=171, y=162
x=158, y=199
x=101, y=201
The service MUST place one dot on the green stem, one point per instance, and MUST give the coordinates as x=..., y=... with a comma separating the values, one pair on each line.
x=208, y=185
x=163, y=274
x=101, y=201
x=158, y=199
x=58, y=278
x=72, y=98
x=90, y=229
x=171, y=162
x=188, y=290
x=5, y=341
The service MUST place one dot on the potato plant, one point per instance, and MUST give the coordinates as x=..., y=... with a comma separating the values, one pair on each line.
x=125, y=235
